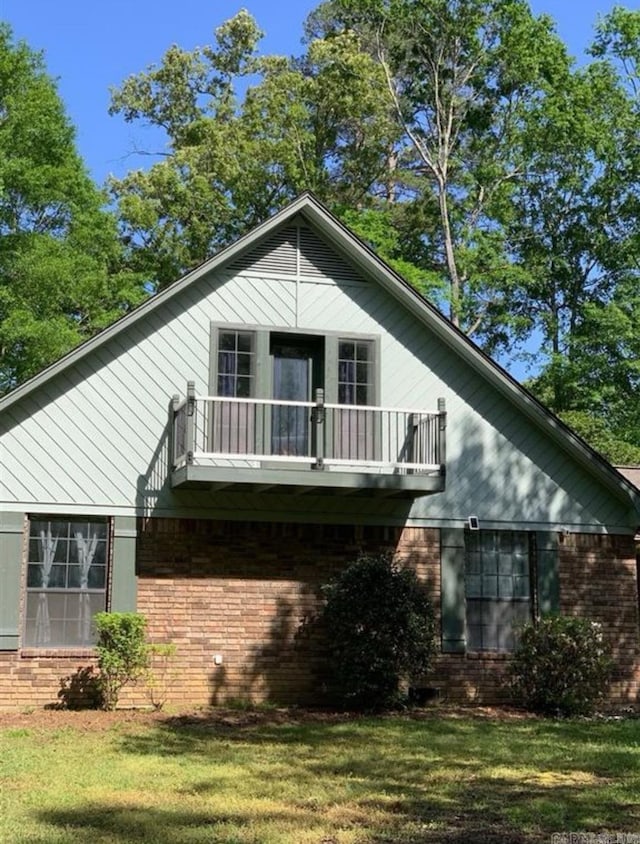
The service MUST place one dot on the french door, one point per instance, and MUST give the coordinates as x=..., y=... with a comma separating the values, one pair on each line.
x=297, y=373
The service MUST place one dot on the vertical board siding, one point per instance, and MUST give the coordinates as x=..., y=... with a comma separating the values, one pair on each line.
x=452, y=591
x=97, y=435
x=123, y=568
x=11, y=547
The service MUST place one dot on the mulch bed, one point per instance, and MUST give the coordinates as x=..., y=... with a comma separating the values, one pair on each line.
x=91, y=720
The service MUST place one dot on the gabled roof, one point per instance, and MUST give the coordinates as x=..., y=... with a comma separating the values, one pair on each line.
x=371, y=266
x=631, y=473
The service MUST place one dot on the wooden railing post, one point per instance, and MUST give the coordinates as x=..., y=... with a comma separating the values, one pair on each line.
x=190, y=434
x=175, y=401
x=441, y=457
x=318, y=420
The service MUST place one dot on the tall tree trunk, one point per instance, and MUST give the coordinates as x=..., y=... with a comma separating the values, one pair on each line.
x=452, y=268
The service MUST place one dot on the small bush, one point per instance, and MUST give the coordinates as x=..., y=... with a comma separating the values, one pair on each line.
x=123, y=655
x=561, y=666
x=380, y=631
x=161, y=674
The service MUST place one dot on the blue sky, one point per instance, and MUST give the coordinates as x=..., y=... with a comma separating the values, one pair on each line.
x=91, y=47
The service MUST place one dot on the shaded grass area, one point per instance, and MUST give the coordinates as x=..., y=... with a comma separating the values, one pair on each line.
x=329, y=781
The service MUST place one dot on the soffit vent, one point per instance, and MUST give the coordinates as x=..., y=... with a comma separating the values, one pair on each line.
x=277, y=255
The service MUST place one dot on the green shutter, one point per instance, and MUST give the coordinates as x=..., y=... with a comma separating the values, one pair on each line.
x=11, y=539
x=264, y=366
x=123, y=572
x=452, y=598
x=331, y=369
x=547, y=569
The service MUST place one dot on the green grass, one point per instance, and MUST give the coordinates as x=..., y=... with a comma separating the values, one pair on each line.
x=351, y=781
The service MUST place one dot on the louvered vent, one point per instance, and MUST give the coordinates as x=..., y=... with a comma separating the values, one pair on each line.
x=318, y=260
x=277, y=255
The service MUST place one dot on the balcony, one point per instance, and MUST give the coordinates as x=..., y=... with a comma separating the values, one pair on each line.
x=306, y=447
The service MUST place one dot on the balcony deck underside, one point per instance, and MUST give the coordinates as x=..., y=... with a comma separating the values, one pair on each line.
x=304, y=480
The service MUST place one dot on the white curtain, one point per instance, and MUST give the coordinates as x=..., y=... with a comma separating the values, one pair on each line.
x=48, y=544
x=86, y=546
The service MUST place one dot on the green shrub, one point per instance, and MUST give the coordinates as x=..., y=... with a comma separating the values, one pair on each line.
x=380, y=632
x=123, y=655
x=161, y=674
x=561, y=666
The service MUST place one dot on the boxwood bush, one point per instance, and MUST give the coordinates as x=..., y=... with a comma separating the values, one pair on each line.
x=561, y=666
x=123, y=655
x=379, y=627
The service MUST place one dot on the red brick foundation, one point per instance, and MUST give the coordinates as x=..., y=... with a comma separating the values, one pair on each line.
x=240, y=590
x=598, y=579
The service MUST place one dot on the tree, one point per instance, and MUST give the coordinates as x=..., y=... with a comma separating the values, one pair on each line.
x=454, y=136
x=576, y=230
x=461, y=76
x=310, y=123
x=60, y=276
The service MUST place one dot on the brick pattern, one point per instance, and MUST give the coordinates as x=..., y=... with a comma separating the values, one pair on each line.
x=599, y=580
x=239, y=590
x=34, y=681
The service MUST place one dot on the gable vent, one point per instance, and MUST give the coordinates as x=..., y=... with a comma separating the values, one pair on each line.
x=318, y=260
x=278, y=255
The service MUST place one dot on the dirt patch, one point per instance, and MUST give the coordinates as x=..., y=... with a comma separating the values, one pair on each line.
x=91, y=720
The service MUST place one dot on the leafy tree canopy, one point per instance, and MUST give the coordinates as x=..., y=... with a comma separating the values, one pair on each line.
x=60, y=275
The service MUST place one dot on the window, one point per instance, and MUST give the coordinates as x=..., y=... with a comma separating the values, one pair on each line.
x=355, y=429
x=234, y=422
x=236, y=364
x=66, y=581
x=355, y=372
x=497, y=587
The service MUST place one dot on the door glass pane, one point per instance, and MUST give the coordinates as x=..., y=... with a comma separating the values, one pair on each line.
x=290, y=425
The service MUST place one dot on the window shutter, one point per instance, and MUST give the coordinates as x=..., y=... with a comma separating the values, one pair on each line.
x=11, y=539
x=123, y=570
x=452, y=597
x=547, y=569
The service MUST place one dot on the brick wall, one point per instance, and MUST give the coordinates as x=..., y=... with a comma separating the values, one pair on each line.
x=239, y=590
x=598, y=579
x=34, y=679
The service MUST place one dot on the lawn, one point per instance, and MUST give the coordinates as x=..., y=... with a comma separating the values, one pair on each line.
x=282, y=778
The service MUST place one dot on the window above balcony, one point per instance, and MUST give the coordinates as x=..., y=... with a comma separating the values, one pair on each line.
x=291, y=410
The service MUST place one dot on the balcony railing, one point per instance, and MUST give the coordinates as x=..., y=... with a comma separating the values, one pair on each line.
x=261, y=433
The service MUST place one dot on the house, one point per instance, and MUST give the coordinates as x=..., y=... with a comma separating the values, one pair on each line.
x=216, y=455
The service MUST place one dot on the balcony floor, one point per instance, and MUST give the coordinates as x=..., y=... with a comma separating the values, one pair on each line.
x=304, y=480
